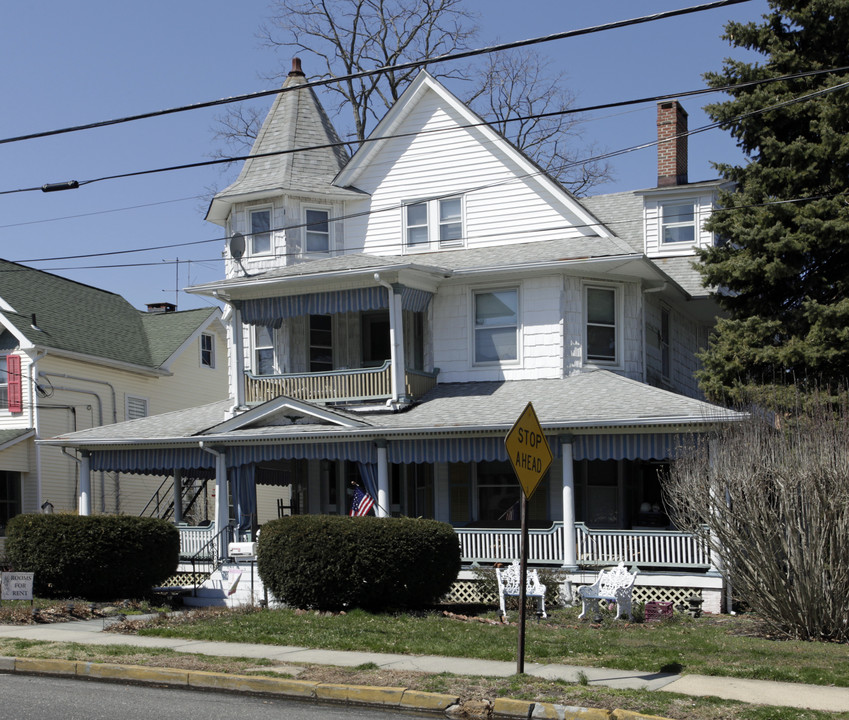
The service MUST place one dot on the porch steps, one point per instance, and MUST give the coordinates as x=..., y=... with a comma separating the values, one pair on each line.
x=231, y=585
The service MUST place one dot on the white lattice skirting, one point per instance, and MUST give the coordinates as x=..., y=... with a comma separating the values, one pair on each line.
x=467, y=590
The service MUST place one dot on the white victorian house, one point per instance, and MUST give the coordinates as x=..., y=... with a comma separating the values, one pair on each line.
x=391, y=314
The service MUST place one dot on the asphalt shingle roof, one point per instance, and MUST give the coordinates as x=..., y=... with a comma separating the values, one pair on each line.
x=82, y=319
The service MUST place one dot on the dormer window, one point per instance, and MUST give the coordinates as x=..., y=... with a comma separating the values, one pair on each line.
x=261, y=231
x=432, y=223
x=678, y=222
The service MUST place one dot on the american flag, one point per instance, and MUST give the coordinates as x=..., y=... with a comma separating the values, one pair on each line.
x=361, y=504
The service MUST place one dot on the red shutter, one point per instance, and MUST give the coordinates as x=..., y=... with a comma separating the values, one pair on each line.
x=13, y=370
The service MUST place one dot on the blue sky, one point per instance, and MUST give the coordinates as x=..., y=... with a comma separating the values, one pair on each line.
x=75, y=63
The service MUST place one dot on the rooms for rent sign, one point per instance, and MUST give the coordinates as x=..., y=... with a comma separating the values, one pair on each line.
x=16, y=585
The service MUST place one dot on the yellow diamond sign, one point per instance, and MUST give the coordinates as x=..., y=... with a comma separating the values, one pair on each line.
x=528, y=450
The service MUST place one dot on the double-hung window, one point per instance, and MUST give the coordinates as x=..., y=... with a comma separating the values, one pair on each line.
x=263, y=351
x=207, y=350
x=317, y=231
x=260, y=231
x=434, y=223
x=678, y=222
x=496, y=314
x=601, y=328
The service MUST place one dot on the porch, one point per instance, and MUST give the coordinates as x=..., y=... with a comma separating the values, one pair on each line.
x=356, y=385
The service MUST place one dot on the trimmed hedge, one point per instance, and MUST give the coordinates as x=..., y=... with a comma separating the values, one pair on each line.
x=102, y=557
x=330, y=562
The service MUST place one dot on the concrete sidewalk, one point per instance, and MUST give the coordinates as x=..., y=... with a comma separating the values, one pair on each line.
x=814, y=697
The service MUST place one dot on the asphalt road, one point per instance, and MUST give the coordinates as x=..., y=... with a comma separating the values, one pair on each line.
x=30, y=697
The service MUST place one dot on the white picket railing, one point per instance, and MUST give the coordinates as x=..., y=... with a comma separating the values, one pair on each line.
x=194, y=539
x=647, y=548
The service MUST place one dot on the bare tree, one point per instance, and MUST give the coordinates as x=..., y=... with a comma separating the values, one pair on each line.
x=528, y=105
x=349, y=36
x=774, y=505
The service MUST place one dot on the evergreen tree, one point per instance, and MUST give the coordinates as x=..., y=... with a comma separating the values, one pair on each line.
x=782, y=271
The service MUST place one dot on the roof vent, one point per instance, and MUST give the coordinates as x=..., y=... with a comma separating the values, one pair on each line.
x=161, y=307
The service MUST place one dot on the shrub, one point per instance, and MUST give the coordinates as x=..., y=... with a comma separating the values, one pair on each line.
x=332, y=562
x=99, y=557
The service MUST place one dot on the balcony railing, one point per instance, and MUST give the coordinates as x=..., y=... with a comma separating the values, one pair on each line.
x=595, y=548
x=358, y=385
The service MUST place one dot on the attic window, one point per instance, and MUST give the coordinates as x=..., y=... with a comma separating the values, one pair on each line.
x=207, y=350
x=432, y=223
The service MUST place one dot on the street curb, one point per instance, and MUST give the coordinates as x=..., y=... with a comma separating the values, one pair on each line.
x=397, y=697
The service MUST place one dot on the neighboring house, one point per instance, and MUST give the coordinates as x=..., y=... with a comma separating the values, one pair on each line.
x=73, y=357
x=393, y=313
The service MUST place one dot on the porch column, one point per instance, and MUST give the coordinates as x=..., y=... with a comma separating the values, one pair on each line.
x=85, y=483
x=570, y=557
x=382, y=505
x=222, y=501
x=396, y=337
x=237, y=363
x=178, y=496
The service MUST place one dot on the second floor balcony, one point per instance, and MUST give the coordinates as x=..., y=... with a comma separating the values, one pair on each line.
x=338, y=386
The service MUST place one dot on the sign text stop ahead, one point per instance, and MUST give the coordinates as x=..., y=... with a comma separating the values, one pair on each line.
x=528, y=450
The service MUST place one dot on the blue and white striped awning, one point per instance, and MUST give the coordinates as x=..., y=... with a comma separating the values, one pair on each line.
x=272, y=311
x=654, y=446
x=365, y=452
x=155, y=461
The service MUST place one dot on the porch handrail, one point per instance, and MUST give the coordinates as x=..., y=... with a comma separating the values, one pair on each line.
x=359, y=384
x=545, y=547
x=211, y=553
x=351, y=385
x=646, y=548
x=595, y=548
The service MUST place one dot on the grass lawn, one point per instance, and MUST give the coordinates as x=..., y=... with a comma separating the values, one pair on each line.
x=712, y=645
x=720, y=645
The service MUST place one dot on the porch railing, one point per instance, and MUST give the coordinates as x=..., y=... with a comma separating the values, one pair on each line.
x=594, y=548
x=194, y=539
x=647, y=548
x=361, y=384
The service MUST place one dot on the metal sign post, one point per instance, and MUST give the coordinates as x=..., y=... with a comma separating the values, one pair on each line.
x=531, y=457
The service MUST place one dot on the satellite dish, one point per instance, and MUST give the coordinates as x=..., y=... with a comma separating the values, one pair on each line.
x=237, y=246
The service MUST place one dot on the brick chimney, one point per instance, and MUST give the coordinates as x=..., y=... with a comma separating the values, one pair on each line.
x=161, y=307
x=671, y=153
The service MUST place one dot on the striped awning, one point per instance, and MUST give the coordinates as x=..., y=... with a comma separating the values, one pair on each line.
x=655, y=446
x=155, y=461
x=272, y=311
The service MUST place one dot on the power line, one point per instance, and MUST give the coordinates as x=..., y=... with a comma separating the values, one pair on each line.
x=516, y=178
x=482, y=123
x=384, y=69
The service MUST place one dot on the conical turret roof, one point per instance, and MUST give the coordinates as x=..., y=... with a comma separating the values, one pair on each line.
x=296, y=120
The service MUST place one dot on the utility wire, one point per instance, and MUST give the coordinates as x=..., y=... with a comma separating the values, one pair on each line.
x=396, y=206
x=385, y=69
x=482, y=123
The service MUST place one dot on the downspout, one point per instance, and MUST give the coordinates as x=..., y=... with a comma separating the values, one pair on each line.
x=222, y=507
x=33, y=423
x=646, y=291
x=396, y=347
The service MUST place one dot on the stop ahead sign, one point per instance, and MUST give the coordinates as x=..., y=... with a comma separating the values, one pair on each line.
x=528, y=450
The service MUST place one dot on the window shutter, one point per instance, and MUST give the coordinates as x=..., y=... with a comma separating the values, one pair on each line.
x=13, y=370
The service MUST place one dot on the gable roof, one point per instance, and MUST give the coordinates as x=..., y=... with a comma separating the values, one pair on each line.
x=423, y=84
x=296, y=120
x=52, y=312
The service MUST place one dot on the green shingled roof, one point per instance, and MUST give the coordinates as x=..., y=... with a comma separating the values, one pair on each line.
x=82, y=319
